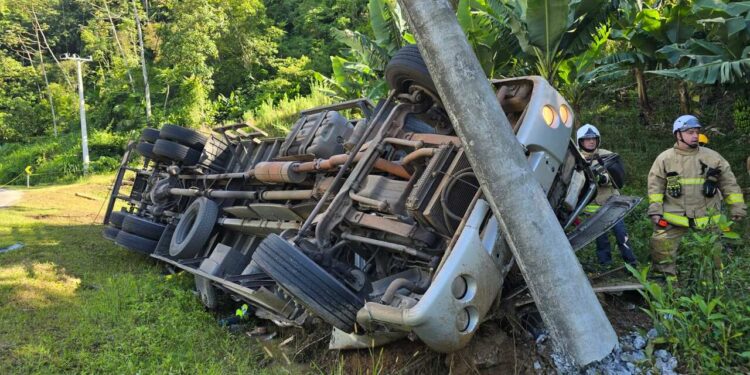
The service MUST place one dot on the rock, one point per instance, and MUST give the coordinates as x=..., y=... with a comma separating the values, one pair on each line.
x=639, y=342
x=662, y=354
x=487, y=349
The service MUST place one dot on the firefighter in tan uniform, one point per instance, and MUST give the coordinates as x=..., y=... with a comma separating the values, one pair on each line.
x=589, y=139
x=685, y=187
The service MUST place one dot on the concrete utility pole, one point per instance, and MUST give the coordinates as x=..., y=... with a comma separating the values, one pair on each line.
x=82, y=109
x=146, y=89
x=562, y=292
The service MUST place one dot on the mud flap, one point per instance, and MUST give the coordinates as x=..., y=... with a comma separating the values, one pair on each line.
x=614, y=210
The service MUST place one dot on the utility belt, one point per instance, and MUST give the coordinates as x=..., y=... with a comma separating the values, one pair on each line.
x=690, y=222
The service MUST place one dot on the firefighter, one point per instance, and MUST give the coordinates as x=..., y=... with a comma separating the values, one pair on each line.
x=589, y=139
x=685, y=186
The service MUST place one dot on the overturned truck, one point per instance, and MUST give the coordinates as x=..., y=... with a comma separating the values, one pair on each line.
x=367, y=216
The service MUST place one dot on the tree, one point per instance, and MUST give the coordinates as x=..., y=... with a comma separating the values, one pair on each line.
x=547, y=31
x=719, y=52
x=578, y=72
x=360, y=71
x=645, y=27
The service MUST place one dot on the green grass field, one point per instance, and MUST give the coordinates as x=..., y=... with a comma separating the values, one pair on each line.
x=73, y=302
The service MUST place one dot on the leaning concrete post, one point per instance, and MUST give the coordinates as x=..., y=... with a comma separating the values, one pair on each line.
x=555, y=278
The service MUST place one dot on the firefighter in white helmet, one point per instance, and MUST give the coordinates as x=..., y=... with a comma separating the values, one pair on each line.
x=685, y=187
x=588, y=140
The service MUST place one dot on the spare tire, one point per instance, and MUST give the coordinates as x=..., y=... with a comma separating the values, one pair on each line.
x=176, y=152
x=308, y=283
x=149, y=135
x=135, y=243
x=407, y=68
x=184, y=136
x=194, y=228
x=142, y=227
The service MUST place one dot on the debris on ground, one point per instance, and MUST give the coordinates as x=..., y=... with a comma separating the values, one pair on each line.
x=15, y=246
x=628, y=357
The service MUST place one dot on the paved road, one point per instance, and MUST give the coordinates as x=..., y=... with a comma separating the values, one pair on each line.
x=9, y=197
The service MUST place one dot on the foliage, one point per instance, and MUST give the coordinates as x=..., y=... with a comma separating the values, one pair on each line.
x=59, y=160
x=277, y=118
x=360, y=71
x=546, y=31
x=741, y=116
x=577, y=73
x=703, y=315
x=717, y=49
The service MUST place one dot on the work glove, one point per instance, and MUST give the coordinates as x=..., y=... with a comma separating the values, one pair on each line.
x=674, y=187
x=711, y=183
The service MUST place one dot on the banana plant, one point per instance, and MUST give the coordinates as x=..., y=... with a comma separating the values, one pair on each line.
x=579, y=72
x=486, y=27
x=359, y=71
x=547, y=31
x=644, y=27
x=719, y=52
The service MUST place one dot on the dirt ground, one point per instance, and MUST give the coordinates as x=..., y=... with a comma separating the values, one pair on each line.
x=505, y=345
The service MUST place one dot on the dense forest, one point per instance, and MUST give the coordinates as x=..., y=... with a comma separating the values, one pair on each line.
x=628, y=66
x=202, y=62
x=198, y=62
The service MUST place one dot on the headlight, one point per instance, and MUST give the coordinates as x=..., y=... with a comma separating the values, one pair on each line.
x=565, y=116
x=548, y=113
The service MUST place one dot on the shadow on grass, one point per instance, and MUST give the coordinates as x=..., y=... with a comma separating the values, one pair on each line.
x=74, y=302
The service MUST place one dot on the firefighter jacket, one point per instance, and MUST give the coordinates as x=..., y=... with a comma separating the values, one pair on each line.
x=603, y=192
x=689, y=168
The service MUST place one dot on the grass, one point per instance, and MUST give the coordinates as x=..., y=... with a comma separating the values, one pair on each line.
x=72, y=302
x=59, y=160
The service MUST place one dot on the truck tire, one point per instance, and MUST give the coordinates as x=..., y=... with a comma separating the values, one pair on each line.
x=194, y=228
x=308, y=283
x=184, y=136
x=144, y=228
x=135, y=243
x=406, y=68
x=149, y=135
x=116, y=218
x=147, y=150
x=110, y=232
x=176, y=152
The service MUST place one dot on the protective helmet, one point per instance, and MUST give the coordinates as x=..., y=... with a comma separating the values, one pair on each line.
x=702, y=139
x=586, y=132
x=685, y=122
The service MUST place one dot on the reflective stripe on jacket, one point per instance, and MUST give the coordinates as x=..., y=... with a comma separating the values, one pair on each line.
x=691, y=166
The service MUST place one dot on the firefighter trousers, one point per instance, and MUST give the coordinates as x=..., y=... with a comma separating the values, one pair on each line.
x=664, y=245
